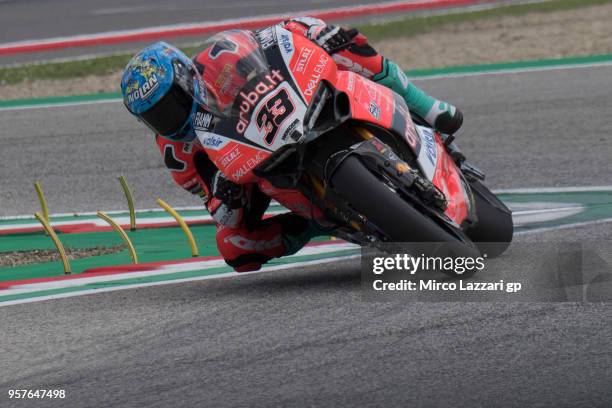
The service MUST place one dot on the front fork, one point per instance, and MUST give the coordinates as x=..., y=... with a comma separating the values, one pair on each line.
x=392, y=170
x=381, y=159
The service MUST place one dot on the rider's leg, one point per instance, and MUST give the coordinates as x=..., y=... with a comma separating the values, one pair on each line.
x=248, y=249
x=441, y=115
x=361, y=58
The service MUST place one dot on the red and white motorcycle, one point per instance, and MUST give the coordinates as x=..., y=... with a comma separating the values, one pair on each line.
x=338, y=148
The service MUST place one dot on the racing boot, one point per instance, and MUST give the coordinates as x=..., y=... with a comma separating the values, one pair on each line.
x=440, y=115
x=296, y=231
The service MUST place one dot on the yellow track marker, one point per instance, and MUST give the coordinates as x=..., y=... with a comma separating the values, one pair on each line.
x=122, y=233
x=56, y=241
x=182, y=224
x=130, y=201
x=43, y=201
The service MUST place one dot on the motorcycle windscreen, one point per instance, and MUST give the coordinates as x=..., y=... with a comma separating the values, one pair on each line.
x=251, y=91
x=230, y=60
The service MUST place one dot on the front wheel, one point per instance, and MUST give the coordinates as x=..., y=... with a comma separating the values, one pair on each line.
x=389, y=212
x=494, y=230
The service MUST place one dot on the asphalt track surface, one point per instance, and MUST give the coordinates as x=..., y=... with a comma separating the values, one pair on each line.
x=40, y=19
x=37, y=19
x=304, y=337
x=32, y=19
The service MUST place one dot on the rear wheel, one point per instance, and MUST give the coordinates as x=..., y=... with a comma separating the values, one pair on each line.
x=393, y=215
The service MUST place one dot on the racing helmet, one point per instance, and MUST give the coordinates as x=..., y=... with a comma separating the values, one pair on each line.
x=162, y=87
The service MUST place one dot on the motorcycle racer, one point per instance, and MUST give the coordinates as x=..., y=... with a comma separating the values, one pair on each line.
x=162, y=87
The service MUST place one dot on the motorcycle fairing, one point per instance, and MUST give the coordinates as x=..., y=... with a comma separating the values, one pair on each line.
x=291, y=199
x=369, y=101
x=233, y=158
x=277, y=118
x=381, y=106
x=274, y=105
x=403, y=124
x=448, y=179
x=428, y=153
x=307, y=63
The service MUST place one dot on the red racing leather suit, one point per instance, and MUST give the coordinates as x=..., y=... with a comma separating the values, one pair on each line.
x=246, y=239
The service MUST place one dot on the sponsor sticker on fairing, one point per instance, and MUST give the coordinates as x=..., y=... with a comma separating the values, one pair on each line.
x=273, y=119
x=374, y=110
x=430, y=147
x=317, y=72
x=292, y=131
x=247, y=100
x=286, y=43
x=229, y=157
x=428, y=156
x=266, y=37
x=248, y=165
x=202, y=120
x=211, y=141
x=303, y=59
x=411, y=138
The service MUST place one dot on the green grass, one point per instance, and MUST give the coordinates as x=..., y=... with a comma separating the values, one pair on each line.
x=376, y=32
x=70, y=69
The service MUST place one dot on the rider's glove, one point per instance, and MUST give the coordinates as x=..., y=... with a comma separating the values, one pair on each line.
x=227, y=191
x=228, y=200
x=333, y=39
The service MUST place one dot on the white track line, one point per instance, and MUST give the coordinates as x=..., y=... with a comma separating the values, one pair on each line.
x=273, y=203
x=565, y=226
x=169, y=282
x=349, y=11
x=83, y=279
x=530, y=190
x=507, y=71
x=314, y=262
x=236, y=274
x=60, y=104
x=548, y=210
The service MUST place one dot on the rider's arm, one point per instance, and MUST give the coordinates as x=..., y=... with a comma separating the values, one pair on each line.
x=179, y=159
x=351, y=52
x=245, y=247
x=349, y=48
x=192, y=170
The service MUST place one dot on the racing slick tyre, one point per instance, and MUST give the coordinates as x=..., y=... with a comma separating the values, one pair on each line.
x=494, y=229
x=396, y=217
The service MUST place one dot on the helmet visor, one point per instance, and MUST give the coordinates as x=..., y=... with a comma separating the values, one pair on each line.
x=168, y=116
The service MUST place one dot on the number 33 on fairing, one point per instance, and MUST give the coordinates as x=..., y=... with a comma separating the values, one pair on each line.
x=278, y=114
